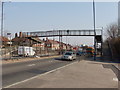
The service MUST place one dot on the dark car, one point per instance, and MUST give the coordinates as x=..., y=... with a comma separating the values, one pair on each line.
x=80, y=53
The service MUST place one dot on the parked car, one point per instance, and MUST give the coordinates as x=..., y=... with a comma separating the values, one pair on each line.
x=69, y=56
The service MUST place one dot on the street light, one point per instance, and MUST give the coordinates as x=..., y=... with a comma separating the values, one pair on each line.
x=2, y=3
x=2, y=17
x=94, y=30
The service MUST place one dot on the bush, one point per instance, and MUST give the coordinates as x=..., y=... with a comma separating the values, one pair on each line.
x=116, y=45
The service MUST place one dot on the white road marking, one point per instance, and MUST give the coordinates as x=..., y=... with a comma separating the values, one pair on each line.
x=39, y=75
x=115, y=79
x=31, y=65
x=50, y=61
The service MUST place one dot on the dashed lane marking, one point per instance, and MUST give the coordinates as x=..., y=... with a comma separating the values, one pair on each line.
x=31, y=65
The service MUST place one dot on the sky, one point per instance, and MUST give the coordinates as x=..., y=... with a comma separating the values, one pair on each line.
x=45, y=16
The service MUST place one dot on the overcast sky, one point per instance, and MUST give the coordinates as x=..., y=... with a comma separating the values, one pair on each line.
x=39, y=16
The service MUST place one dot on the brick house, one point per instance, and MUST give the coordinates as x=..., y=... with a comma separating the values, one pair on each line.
x=4, y=41
x=69, y=47
x=22, y=40
x=40, y=45
x=51, y=44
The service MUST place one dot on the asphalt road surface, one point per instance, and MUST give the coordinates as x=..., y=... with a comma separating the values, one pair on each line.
x=16, y=72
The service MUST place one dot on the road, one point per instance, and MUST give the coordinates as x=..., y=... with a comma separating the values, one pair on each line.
x=16, y=72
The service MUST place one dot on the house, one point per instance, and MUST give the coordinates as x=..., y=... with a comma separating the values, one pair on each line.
x=51, y=44
x=40, y=45
x=21, y=40
x=4, y=41
x=63, y=46
x=69, y=47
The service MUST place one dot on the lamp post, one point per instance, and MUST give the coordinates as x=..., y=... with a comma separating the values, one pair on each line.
x=94, y=30
x=1, y=24
x=2, y=16
x=102, y=43
x=2, y=3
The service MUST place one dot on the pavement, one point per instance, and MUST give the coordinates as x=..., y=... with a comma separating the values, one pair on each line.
x=79, y=74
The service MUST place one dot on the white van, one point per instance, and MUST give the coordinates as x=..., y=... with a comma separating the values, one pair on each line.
x=25, y=51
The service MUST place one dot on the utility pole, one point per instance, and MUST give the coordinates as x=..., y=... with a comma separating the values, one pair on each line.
x=102, y=43
x=1, y=26
x=2, y=17
x=2, y=4
x=94, y=30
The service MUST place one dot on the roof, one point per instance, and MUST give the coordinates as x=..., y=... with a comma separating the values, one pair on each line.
x=36, y=39
x=19, y=39
x=5, y=39
x=52, y=41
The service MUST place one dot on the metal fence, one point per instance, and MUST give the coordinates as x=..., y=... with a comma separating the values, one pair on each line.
x=12, y=52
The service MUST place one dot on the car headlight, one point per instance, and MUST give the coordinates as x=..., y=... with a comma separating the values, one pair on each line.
x=70, y=57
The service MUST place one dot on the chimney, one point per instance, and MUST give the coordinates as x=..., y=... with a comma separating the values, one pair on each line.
x=16, y=35
x=20, y=34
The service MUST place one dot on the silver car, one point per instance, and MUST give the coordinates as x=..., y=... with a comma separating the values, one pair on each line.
x=69, y=56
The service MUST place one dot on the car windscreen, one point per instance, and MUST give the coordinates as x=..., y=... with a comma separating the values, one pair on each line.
x=68, y=53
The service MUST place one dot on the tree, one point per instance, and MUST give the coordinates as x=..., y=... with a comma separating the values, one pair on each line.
x=112, y=30
x=113, y=39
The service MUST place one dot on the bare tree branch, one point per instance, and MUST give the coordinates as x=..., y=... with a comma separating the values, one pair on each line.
x=112, y=30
